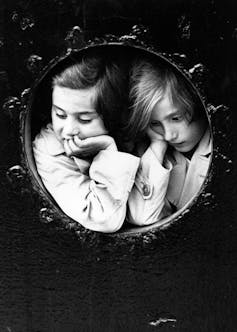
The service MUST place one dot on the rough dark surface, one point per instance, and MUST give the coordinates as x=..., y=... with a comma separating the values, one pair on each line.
x=179, y=279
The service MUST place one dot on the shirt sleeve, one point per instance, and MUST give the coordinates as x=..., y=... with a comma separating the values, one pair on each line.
x=147, y=202
x=96, y=200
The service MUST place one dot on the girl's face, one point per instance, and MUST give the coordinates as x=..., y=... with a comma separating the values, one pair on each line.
x=73, y=113
x=170, y=122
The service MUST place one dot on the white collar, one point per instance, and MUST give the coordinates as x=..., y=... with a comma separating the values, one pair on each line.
x=204, y=147
x=54, y=146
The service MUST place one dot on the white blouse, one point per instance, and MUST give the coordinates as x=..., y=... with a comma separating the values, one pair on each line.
x=171, y=185
x=95, y=192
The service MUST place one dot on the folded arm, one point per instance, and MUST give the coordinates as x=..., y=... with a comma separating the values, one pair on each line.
x=147, y=201
x=98, y=199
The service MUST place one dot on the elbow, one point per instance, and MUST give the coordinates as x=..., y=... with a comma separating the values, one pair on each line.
x=144, y=217
x=109, y=223
x=109, y=227
x=141, y=221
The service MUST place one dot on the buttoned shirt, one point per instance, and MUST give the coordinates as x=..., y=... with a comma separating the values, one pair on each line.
x=159, y=188
x=95, y=192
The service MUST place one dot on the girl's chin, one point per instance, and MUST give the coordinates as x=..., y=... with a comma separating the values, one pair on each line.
x=183, y=149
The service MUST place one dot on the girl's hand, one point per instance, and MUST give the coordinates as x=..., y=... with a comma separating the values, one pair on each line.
x=153, y=135
x=158, y=144
x=88, y=147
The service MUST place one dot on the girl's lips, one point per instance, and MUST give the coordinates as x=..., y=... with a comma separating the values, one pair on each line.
x=177, y=144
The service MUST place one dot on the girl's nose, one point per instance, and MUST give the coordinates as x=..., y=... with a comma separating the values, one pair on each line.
x=170, y=134
x=70, y=129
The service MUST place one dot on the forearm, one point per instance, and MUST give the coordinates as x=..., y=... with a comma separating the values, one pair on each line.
x=90, y=210
x=97, y=201
x=147, y=201
x=159, y=151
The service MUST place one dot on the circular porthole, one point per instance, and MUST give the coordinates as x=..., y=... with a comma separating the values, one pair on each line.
x=190, y=164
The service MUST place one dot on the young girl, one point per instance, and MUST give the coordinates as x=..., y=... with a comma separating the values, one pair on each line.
x=175, y=161
x=76, y=156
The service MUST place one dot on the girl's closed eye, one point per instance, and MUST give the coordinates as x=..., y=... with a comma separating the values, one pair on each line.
x=177, y=117
x=60, y=114
x=87, y=117
x=84, y=119
x=155, y=124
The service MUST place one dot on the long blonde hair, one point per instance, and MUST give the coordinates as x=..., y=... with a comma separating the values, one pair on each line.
x=149, y=82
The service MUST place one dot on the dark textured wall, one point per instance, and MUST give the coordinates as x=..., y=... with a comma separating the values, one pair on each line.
x=182, y=280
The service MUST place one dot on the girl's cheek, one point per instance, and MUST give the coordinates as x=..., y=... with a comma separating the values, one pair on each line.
x=183, y=126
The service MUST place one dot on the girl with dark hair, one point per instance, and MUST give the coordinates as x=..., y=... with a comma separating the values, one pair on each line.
x=77, y=153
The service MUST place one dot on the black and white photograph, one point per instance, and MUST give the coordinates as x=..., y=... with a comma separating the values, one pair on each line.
x=118, y=152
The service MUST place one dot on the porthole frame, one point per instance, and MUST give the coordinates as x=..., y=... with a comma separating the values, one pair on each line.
x=48, y=210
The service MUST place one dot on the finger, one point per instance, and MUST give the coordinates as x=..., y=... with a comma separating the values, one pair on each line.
x=153, y=135
x=93, y=140
x=67, y=148
x=82, y=147
x=150, y=133
x=89, y=143
x=73, y=146
x=78, y=141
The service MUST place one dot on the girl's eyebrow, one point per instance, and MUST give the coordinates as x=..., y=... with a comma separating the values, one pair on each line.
x=61, y=109
x=173, y=113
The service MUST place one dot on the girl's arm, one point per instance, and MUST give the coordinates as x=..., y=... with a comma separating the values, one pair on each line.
x=147, y=201
x=97, y=200
x=157, y=145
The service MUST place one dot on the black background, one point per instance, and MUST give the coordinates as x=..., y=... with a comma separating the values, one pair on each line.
x=182, y=280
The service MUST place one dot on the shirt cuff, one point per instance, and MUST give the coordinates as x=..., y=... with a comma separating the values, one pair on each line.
x=151, y=174
x=114, y=167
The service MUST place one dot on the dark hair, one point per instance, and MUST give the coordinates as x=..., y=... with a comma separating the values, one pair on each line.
x=148, y=83
x=108, y=74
